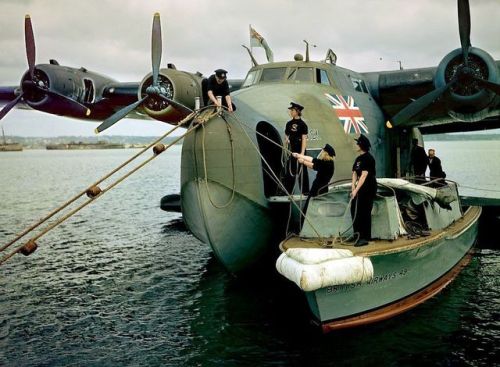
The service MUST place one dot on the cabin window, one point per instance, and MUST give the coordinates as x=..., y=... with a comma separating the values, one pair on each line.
x=322, y=77
x=88, y=96
x=272, y=74
x=250, y=79
x=359, y=85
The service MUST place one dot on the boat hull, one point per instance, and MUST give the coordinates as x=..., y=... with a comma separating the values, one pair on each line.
x=401, y=280
x=222, y=198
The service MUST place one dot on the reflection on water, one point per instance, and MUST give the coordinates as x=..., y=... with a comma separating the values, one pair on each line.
x=124, y=283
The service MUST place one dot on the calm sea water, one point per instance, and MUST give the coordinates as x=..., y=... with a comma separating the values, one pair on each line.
x=124, y=284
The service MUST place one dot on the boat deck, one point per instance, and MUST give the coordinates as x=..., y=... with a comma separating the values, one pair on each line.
x=378, y=247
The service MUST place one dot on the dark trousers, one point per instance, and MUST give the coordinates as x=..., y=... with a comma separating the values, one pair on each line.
x=292, y=168
x=361, y=213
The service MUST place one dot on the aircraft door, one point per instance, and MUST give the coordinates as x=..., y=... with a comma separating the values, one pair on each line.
x=270, y=143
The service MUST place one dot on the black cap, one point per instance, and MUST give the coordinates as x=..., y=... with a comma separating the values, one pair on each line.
x=296, y=106
x=363, y=142
x=221, y=73
x=329, y=149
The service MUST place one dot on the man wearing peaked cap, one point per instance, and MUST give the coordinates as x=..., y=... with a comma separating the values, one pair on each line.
x=217, y=86
x=296, y=138
x=221, y=73
x=364, y=189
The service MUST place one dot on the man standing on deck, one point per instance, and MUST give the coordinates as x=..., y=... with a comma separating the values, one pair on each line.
x=436, y=171
x=419, y=161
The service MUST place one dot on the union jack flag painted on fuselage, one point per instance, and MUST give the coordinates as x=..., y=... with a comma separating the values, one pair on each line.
x=348, y=113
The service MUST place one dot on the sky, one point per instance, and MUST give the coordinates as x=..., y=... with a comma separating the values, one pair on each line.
x=113, y=37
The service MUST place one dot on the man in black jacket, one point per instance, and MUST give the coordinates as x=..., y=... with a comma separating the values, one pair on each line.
x=436, y=171
x=217, y=86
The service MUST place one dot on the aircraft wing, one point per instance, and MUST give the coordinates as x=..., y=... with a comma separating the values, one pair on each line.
x=8, y=94
x=467, y=106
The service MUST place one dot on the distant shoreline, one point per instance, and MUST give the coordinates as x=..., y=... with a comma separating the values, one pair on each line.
x=142, y=141
x=87, y=142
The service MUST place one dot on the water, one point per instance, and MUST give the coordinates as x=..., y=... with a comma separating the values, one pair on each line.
x=124, y=284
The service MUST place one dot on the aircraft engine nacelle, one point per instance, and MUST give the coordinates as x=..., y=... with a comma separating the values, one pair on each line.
x=179, y=86
x=469, y=100
x=52, y=89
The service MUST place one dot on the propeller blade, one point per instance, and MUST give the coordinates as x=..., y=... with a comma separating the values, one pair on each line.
x=417, y=106
x=10, y=105
x=495, y=88
x=67, y=103
x=464, y=27
x=30, y=44
x=117, y=116
x=156, y=48
x=176, y=105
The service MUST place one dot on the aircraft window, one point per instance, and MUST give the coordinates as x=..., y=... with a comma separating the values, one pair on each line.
x=363, y=86
x=322, y=77
x=250, y=79
x=273, y=74
x=359, y=85
x=304, y=74
x=293, y=71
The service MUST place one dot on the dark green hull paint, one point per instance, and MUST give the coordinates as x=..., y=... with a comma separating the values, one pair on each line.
x=222, y=198
x=241, y=232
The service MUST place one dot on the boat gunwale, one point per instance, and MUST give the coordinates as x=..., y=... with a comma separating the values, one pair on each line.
x=391, y=246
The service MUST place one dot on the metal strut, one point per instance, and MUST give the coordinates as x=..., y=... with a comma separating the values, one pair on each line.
x=94, y=191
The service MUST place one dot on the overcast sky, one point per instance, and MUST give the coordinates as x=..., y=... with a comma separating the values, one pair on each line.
x=113, y=37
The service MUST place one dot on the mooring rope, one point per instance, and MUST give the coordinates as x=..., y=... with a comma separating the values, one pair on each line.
x=233, y=191
x=273, y=175
x=94, y=192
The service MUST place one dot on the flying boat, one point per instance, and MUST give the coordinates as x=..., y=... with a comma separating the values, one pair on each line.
x=231, y=195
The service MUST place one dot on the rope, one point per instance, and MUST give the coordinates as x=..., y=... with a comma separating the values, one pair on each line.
x=273, y=175
x=228, y=128
x=92, y=198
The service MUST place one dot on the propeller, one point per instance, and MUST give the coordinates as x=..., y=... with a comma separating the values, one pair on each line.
x=154, y=90
x=418, y=105
x=33, y=84
x=464, y=28
x=463, y=75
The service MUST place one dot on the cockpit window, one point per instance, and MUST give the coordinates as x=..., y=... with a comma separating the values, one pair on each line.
x=250, y=79
x=359, y=85
x=304, y=74
x=272, y=74
x=291, y=73
x=322, y=77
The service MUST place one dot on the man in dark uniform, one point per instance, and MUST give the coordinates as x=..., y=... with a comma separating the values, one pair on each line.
x=217, y=86
x=296, y=136
x=419, y=161
x=364, y=188
x=436, y=171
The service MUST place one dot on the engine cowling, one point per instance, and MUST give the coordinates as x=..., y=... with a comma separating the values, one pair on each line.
x=468, y=100
x=177, y=85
